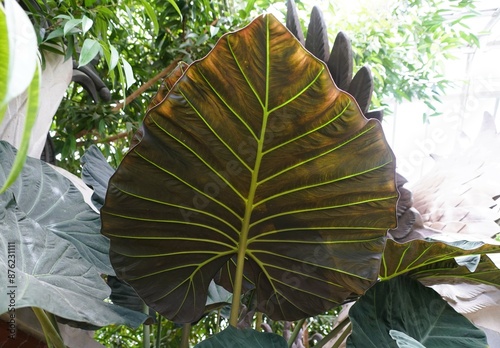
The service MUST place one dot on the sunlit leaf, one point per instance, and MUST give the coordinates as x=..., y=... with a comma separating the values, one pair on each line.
x=86, y=24
x=129, y=73
x=22, y=51
x=30, y=118
x=4, y=61
x=253, y=150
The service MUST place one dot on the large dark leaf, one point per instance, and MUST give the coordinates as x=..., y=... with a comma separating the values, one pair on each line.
x=293, y=22
x=361, y=88
x=317, y=36
x=96, y=173
x=243, y=338
x=253, y=152
x=340, y=62
x=402, y=308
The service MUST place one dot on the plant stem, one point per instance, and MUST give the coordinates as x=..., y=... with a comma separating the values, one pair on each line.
x=52, y=335
x=346, y=323
x=158, y=331
x=258, y=321
x=147, y=85
x=146, y=330
x=186, y=330
x=238, y=281
x=217, y=327
x=342, y=337
x=296, y=331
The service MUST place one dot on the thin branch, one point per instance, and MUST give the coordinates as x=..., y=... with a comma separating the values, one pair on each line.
x=147, y=85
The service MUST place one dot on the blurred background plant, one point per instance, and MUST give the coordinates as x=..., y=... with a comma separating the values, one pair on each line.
x=131, y=42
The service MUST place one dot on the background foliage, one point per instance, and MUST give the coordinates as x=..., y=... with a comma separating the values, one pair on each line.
x=405, y=43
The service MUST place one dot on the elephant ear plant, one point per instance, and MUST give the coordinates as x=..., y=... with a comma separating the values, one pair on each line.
x=254, y=169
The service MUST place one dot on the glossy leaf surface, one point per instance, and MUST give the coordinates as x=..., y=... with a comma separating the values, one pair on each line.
x=255, y=152
x=403, y=304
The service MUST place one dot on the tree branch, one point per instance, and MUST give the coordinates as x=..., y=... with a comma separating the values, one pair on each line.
x=147, y=85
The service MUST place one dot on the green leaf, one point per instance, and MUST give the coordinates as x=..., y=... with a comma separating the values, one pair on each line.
x=246, y=338
x=90, y=49
x=69, y=25
x=30, y=118
x=214, y=30
x=96, y=173
x=152, y=15
x=59, y=253
x=4, y=62
x=404, y=341
x=86, y=24
x=55, y=34
x=253, y=154
x=22, y=49
x=54, y=203
x=405, y=305
x=113, y=58
x=174, y=5
x=48, y=272
x=402, y=258
x=129, y=73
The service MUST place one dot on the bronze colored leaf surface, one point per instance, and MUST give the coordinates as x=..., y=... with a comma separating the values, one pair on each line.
x=253, y=152
x=427, y=258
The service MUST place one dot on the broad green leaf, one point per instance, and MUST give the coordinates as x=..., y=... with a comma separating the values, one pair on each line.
x=90, y=49
x=405, y=305
x=253, y=153
x=54, y=203
x=402, y=258
x=245, y=338
x=43, y=270
x=59, y=253
x=31, y=113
